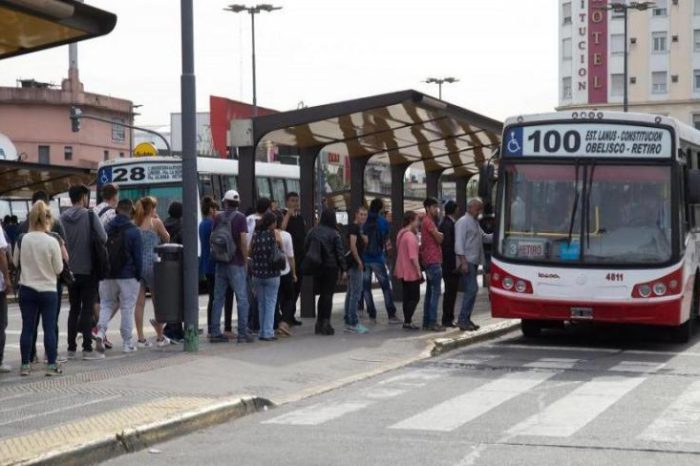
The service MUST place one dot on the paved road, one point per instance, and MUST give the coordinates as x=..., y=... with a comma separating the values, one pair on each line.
x=566, y=399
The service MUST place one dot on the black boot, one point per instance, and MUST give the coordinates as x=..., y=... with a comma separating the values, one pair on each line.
x=326, y=328
x=318, y=328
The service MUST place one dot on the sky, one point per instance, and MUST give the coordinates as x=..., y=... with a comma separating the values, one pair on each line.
x=504, y=52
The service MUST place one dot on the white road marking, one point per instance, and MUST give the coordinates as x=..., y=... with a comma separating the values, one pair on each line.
x=643, y=367
x=65, y=408
x=319, y=413
x=457, y=411
x=680, y=422
x=380, y=393
x=567, y=415
x=553, y=363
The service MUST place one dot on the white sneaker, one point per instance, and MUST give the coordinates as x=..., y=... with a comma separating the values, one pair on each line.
x=129, y=348
x=5, y=368
x=163, y=343
x=92, y=356
x=144, y=344
x=99, y=338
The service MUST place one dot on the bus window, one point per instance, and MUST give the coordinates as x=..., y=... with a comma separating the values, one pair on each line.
x=206, y=187
x=263, y=187
x=278, y=190
x=216, y=183
x=5, y=209
x=293, y=186
x=229, y=182
x=20, y=209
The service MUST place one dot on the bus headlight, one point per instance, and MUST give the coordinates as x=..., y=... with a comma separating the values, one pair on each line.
x=508, y=283
x=667, y=285
x=645, y=291
x=659, y=289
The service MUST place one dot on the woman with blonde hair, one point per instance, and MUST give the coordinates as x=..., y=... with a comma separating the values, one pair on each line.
x=153, y=232
x=41, y=261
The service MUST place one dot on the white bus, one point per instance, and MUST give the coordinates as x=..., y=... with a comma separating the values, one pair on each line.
x=596, y=221
x=161, y=177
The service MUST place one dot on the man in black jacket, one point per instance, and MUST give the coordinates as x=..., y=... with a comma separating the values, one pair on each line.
x=450, y=273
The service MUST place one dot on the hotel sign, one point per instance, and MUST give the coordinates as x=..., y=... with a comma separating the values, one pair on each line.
x=590, y=51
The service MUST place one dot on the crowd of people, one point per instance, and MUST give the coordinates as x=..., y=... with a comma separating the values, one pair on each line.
x=105, y=256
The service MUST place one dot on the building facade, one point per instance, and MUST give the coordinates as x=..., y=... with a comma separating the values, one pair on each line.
x=36, y=118
x=663, y=58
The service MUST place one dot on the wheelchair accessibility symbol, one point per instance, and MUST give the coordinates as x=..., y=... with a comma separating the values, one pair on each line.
x=105, y=176
x=514, y=144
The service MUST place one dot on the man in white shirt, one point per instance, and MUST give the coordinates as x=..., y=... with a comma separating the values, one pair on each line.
x=5, y=284
x=107, y=209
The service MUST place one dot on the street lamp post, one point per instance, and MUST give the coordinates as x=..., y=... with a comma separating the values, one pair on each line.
x=440, y=82
x=622, y=7
x=253, y=10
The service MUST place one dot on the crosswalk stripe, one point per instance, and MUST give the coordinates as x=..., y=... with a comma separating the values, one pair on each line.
x=318, y=413
x=567, y=415
x=457, y=411
x=680, y=421
x=553, y=363
x=637, y=366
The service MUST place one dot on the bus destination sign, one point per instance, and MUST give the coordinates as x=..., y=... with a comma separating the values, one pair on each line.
x=587, y=140
x=141, y=173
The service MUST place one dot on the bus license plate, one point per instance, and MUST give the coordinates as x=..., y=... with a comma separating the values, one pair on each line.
x=581, y=312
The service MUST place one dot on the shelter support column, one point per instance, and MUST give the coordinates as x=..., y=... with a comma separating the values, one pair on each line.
x=357, y=184
x=398, y=172
x=432, y=184
x=307, y=173
x=246, y=177
x=461, y=189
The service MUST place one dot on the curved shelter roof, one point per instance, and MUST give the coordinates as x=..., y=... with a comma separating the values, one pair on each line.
x=398, y=128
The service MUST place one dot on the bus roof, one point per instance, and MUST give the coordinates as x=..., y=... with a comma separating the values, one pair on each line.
x=214, y=165
x=684, y=131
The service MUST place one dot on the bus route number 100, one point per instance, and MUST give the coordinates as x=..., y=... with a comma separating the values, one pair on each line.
x=553, y=141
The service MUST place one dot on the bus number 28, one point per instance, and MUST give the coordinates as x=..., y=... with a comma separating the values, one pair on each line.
x=615, y=277
x=122, y=175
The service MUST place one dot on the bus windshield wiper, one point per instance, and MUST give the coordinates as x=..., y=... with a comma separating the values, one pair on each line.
x=587, y=205
x=575, y=206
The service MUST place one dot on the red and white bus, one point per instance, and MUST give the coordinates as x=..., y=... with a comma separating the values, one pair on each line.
x=597, y=221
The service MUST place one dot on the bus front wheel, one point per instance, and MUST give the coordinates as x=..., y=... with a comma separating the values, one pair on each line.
x=531, y=328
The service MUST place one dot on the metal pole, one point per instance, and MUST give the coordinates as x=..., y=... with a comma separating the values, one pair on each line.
x=255, y=92
x=440, y=90
x=625, y=102
x=190, y=277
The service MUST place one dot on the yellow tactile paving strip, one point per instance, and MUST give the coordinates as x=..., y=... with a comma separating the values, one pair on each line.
x=17, y=450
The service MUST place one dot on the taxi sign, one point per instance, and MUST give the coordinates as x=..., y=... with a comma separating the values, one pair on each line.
x=145, y=149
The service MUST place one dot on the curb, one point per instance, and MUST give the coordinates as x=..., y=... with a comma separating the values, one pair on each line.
x=143, y=436
x=443, y=345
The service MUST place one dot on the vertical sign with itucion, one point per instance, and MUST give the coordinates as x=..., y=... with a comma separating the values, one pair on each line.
x=597, y=52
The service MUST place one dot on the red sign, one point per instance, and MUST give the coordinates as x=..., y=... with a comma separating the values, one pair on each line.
x=221, y=112
x=333, y=157
x=597, y=52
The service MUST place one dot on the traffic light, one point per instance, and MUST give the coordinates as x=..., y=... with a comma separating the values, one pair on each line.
x=75, y=114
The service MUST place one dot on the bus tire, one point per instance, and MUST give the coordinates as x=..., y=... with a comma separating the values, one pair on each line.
x=531, y=328
x=683, y=332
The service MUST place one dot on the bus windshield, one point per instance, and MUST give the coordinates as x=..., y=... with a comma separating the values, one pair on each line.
x=163, y=194
x=596, y=214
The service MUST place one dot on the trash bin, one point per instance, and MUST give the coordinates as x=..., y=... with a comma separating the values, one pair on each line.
x=168, y=304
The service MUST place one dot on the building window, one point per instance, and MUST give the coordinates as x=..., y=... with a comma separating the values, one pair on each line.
x=118, y=131
x=658, y=82
x=660, y=8
x=68, y=152
x=121, y=155
x=106, y=155
x=44, y=155
x=696, y=40
x=566, y=49
x=658, y=41
x=617, y=43
x=617, y=85
x=696, y=7
x=696, y=80
x=696, y=121
x=566, y=88
x=566, y=13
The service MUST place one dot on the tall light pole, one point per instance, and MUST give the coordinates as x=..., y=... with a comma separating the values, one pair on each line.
x=253, y=10
x=440, y=82
x=190, y=276
x=623, y=7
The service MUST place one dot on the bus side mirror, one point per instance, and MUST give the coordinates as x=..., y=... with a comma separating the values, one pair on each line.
x=693, y=185
x=486, y=173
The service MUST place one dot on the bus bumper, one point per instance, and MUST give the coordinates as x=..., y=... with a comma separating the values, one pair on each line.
x=651, y=311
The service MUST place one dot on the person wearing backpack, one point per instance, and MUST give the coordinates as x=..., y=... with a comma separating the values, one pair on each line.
x=266, y=262
x=376, y=229
x=229, y=249
x=120, y=289
x=84, y=232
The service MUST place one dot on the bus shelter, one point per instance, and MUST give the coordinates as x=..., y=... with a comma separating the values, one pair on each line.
x=22, y=179
x=400, y=129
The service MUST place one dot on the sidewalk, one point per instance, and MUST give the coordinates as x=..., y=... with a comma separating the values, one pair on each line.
x=282, y=371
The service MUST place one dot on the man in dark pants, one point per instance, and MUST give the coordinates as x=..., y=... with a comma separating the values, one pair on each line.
x=450, y=273
x=60, y=234
x=80, y=225
x=295, y=225
x=173, y=225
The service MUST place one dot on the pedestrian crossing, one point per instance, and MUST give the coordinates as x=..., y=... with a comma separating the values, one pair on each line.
x=546, y=398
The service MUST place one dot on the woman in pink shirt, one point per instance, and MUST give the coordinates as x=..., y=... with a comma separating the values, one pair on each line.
x=407, y=267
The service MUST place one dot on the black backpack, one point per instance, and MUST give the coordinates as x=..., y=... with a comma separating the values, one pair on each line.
x=221, y=243
x=116, y=250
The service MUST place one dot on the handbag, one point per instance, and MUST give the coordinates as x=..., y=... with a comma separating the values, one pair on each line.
x=313, y=259
x=66, y=276
x=279, y=261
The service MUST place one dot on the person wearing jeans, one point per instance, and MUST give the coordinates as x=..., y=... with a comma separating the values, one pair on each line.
x=431, y=257
x=356, y=241
x=286, y=297
x=266, y=276
x=469, y=248
x=41, y=260
x=407, y=267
